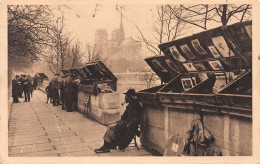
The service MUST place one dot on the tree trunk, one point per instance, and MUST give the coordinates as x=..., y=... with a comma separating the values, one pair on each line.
x=224, y=16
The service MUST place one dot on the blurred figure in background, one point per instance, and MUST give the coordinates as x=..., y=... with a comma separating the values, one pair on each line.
x=15, y=89
x=26, y=88
x=62, y=92
x=35, y=81
x=55, y=90
x=20, y=81
x=69, y=93
x=75, y=93
x=31, y=85
x=49, y=92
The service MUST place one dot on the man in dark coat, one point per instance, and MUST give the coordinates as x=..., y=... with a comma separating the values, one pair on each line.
x=49, y=92
x=26, y=89
x=15, y=89
x=75, y=93
x=20, y=82
x=35, y=82
x=125, y=129
x=62, y=92
x=55, y=90
x=31, y=85
x=69, y=92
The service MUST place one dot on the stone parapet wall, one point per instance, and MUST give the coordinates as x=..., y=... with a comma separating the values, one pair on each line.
x=233, y=134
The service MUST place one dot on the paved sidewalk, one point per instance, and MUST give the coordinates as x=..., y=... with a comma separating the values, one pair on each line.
x=40, y=129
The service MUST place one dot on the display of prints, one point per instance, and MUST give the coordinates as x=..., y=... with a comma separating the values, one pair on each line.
x=222, y=46
x=219, y=83
x=216, y=65
x=189, y=67
x=214, y=52
x=88, y=71
x=186, y=83
x=186, y=50
x=249, y=30
x=171, y=65
x=194, y=81
x=203, y=76
x=176, y=55
x=199, y=66
x=158, y=65
x=196, y=45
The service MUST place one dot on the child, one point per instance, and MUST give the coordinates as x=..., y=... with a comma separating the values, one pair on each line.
x=49, y=92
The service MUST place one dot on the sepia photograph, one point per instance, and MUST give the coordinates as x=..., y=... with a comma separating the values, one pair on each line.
x=125, y=79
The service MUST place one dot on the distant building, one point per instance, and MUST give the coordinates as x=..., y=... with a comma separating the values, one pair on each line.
x=122, y=53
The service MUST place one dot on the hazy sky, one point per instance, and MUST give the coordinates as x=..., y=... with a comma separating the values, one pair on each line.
x=80, y=20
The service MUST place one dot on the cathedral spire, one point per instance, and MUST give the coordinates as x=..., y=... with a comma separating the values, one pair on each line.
x=121, y=29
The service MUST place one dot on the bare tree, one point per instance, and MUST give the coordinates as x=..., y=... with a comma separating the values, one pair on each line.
x=94, y=53
x=166, y=27
x=77, y=54
x=149, y=78
x=202, y=14
x=60, y=50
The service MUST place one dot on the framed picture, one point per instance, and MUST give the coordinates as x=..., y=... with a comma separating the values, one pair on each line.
x=214, y=52
x=194, y=80
x=222, y=46
x=189, y=67
x=158, y=66
x=176, y=54
x=216, y=65
x=196, y=45
x=186, y=83
x=199, y=66
x=219, y=83
x=186, y=50
x=171, y=65
x=203, y=76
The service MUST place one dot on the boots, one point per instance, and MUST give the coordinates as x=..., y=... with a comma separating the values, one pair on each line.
x=104, y=149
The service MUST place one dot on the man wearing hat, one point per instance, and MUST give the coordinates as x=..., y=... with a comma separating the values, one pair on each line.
x=55, y=89
x=62, y=91
x=15, y=89
x=125, y=129
x=69, y=93
x=26, y=88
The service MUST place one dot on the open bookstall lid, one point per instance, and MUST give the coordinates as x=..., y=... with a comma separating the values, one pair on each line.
x=223, y=49
x=95, y=71
x=42, y=75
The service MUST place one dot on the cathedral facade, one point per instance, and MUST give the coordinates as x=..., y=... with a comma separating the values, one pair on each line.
x=122, y=54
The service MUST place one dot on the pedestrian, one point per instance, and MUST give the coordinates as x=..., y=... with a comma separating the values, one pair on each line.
x=20, y=80
x=125, y=129
x=15, y=89
x=26, y=88
x=35, y=81
x=62, y=92
x=31, y=85
x=75, y=93
x=69, y=93
x=55, y=90
x=49, y=91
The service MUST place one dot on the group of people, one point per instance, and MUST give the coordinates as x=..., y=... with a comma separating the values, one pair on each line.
x=63, y=92
x=23, y=85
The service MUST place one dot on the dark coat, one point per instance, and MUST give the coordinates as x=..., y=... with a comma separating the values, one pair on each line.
x=49, y=91
x=127, y=127
x=62, y=90
x=35, y=81
x=26, y=85
x=15, y=88
x=69, y=91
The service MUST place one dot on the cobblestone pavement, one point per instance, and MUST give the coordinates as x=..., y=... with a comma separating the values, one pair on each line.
x=40, y=129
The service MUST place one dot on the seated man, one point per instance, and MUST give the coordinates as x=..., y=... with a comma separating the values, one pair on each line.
x=125, y=129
